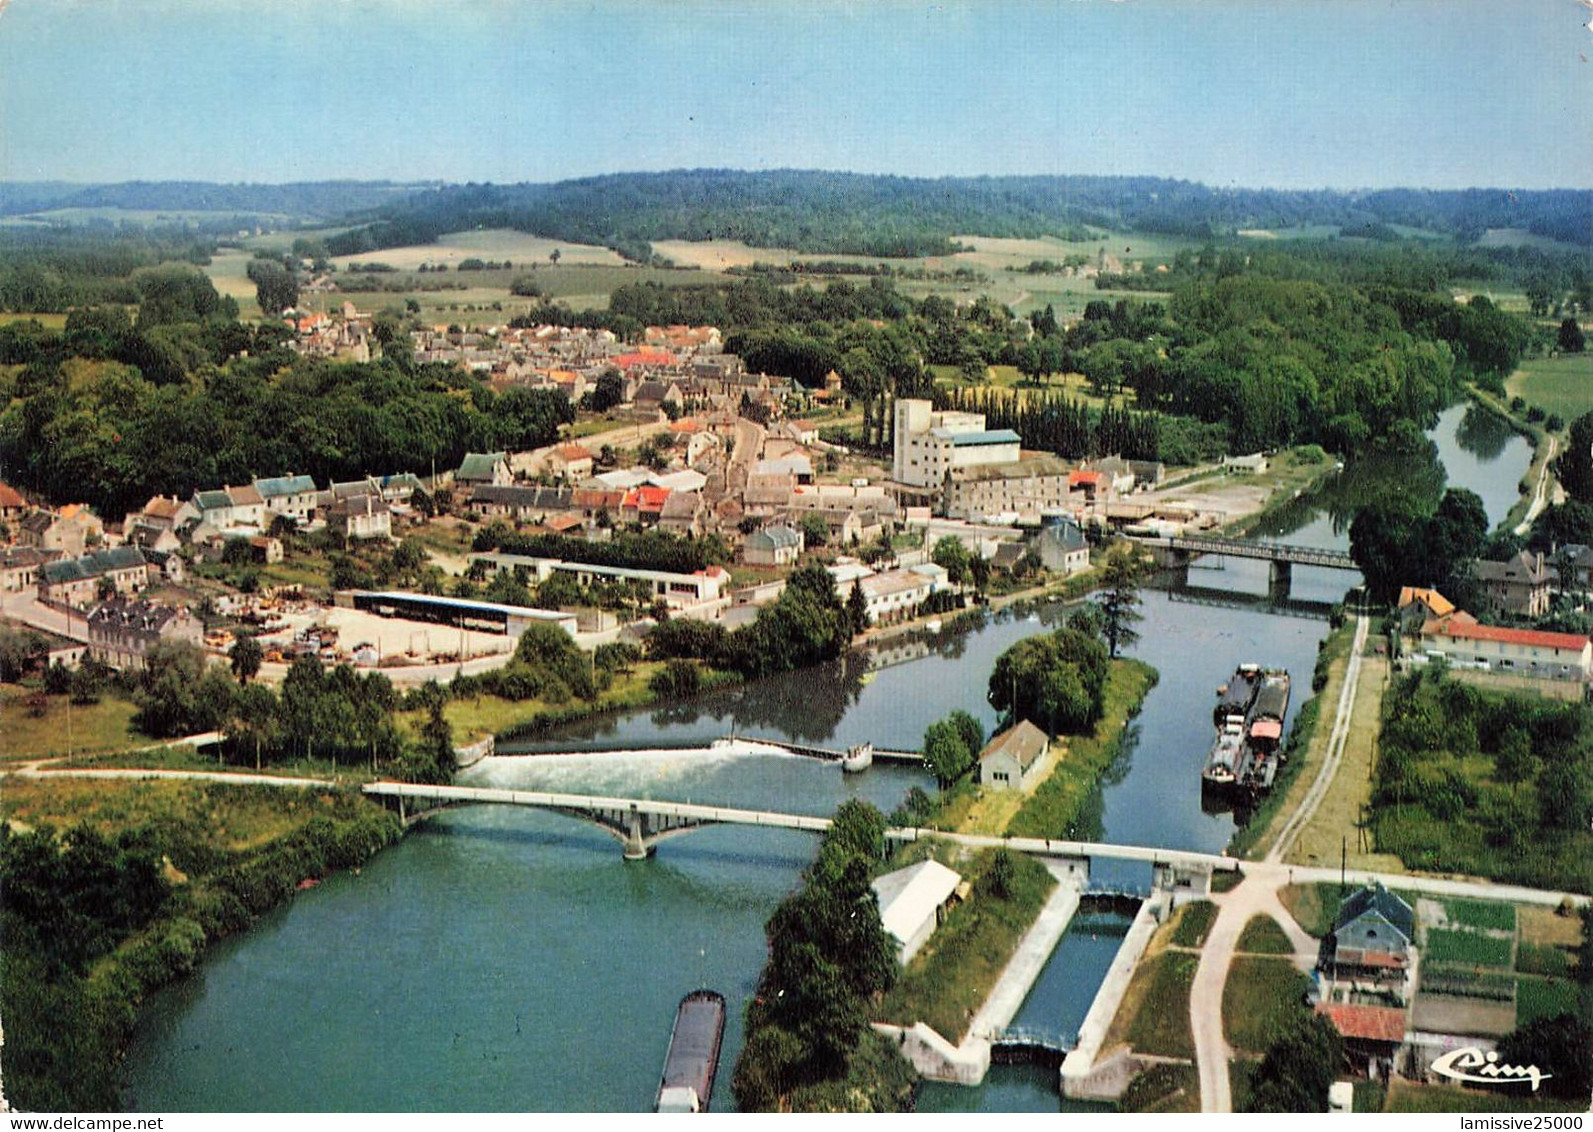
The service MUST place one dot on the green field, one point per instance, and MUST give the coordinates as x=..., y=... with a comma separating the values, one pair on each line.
x=1467, y=948
x=1485, y=914
x=1263, y=936
x=63, y=728
x=1194, y=923
x=1258, y=999
x=1545, y=998
x=1157, y=1007
x=1403, y=1096
x=1562, y=384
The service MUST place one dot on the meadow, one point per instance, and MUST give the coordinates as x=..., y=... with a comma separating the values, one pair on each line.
x=1562, y=384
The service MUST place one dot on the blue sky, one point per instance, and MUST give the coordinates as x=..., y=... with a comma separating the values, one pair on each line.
x=1286, y=93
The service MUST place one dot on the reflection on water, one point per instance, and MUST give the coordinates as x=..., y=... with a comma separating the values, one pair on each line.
x=1469, y=447
x=1484, y=434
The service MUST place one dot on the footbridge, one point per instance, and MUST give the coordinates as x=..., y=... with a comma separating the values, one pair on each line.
x=640, y=823
x=1177, y=551
x=1032, y=1043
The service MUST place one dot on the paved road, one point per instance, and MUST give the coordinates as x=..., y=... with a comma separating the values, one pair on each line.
x=1335, y=748
x=40, y=769
x=1256, y=895
x=26, y=608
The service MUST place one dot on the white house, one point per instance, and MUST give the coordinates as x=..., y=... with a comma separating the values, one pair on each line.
x=1011, y=759
x=912, y=903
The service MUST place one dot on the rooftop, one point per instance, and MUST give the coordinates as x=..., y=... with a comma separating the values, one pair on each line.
x=1024, y=742
x=1460, y=629
x=907, y=897
x=1371, y=1023
x=1434, y=600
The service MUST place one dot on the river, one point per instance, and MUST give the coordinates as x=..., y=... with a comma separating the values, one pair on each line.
x=507, y=959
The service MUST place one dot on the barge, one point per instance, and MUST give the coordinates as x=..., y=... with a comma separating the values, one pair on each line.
x=690, y=1065
x=1248, y=719
x=1234, y=701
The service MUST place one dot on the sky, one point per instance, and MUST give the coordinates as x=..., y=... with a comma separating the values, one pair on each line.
x=1255, y=93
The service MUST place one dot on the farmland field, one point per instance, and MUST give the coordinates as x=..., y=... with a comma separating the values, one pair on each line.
x=519, y=248
x=1561, y=384
x=1467, y=948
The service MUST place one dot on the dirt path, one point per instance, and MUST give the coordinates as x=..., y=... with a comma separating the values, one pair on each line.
x=1540, y=491
x=1335, y=747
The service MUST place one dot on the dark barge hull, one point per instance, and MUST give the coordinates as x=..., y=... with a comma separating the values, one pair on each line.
x=692, y=1062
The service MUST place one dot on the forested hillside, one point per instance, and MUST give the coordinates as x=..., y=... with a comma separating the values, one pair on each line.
x=899, y=216
x=324, y=200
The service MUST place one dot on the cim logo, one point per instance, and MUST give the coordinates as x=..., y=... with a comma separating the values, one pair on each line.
x=1489, y=1070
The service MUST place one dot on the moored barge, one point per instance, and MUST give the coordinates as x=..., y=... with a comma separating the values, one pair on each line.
x=693, y=1058
x=1248, y=719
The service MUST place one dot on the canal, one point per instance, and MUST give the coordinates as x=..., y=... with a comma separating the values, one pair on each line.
x=507, y=959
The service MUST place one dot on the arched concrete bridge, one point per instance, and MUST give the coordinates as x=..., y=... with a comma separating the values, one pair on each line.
x=640, y=823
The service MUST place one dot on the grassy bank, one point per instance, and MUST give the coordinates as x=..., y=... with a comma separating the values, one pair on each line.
x=955, y=971
x=1053, y=810
x=213, y=857
x=1260, y=1000
x=1291, y=475
x=62, y=727
x=474, y=717
x=1155, y=1009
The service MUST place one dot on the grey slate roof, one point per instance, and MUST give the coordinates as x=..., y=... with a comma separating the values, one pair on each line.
x=278, y=486
x=517, y=495
x=1381, y=901
x=93, y=564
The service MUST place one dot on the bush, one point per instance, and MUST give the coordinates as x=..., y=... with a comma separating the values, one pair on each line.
x=678, y=679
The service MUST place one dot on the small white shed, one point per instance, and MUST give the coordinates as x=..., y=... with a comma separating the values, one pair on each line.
x=912, y=900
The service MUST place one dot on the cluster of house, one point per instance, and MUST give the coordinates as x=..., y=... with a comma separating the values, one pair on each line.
x=348, y=338
x=1432, y=628
x=70, y=556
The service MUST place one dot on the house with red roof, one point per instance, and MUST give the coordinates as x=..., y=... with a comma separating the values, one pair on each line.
x=1461, y=639
x=639, y=359
x=12, y=505
x=571, y=461
x=644, y=504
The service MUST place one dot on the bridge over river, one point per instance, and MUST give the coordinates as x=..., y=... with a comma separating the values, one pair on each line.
x=1177, y=551
x=639, y=824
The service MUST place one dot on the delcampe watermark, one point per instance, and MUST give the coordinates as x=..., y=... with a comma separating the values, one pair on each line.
x=1489, y=1069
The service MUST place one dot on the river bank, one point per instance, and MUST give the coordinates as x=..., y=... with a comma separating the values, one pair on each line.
x=226, y=856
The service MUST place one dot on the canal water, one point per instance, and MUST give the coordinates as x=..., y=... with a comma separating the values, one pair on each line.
x=507, y=959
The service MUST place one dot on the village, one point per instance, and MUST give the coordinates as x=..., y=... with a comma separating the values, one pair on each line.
x=689, y=444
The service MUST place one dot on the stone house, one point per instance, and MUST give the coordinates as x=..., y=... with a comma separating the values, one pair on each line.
x=773, y=546
x=121, y=631
x=484, y=468
x=76, y=581
x=293, y=497
x=362, y=517
x=1011, y=759
x=1518, y=585
x=72, y=530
